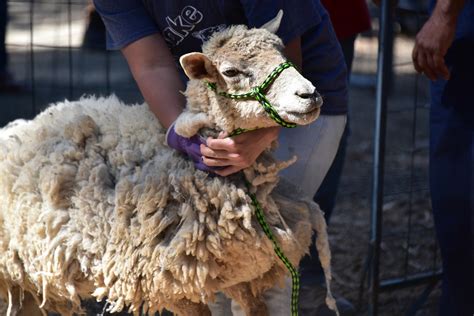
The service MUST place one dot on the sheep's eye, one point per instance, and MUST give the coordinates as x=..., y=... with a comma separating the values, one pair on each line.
x=232, y=72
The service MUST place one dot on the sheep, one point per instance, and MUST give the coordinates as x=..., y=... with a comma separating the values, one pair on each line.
x=94, y=204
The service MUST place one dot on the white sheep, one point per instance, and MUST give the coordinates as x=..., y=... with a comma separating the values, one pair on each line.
x=94, y=204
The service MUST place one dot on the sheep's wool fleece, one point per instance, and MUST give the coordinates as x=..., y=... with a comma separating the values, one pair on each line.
x=93, y=202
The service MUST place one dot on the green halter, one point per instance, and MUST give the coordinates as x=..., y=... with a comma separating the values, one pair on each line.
x=257, y=93
x=295, y=276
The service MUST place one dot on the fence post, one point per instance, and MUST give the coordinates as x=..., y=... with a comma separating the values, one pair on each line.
x=384, y=71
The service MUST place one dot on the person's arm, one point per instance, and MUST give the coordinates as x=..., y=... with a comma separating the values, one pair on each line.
x=155, y=72
x=435, y=38
x=241, y=151
x=131, y=29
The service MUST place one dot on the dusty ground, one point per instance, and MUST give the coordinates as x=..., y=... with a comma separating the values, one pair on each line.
x=408, y=244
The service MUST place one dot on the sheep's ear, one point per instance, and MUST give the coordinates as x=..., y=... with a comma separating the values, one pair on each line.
x=273, y=25
x=198, y=66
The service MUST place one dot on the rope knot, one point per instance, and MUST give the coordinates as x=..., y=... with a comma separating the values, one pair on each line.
x=256, y=90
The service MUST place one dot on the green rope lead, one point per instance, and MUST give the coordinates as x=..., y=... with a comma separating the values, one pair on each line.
x=257, y=93
x=295, y=278
x=239, y=131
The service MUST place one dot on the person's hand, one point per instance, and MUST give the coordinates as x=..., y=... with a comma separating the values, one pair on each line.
x=188, y=146
x=431, y=45
x=238, y=152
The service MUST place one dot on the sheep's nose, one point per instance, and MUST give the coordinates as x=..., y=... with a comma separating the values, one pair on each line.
x=315, y=96
x=318, y=99
x=305, y=95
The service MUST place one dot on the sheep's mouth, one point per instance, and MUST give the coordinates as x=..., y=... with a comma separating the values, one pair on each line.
x=299, y=113
x=302, y=117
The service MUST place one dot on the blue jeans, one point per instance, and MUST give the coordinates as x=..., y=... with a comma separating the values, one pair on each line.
x=452, y=178
x=310, y=267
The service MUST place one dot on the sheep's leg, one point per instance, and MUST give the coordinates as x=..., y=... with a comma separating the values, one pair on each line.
x=250, y=304
x=22, y=304
x=188, y=308
x=30, y=307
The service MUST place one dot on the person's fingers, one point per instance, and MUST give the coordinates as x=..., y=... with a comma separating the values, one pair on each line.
x=203, y=167
x=420, y=58
x=228, y=171
x=430, y=69
x=423, y=63
x=222, y=135
x=414, y=57
x=431, y=66
x=231, y=160
x=211, y=153
x=212, y=162
x=441, y=68
x=227, y=144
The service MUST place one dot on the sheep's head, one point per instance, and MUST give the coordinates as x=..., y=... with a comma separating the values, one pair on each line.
x=237, y=60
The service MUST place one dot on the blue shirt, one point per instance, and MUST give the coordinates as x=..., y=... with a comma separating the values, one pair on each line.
x=186, y=24
x=455, y=93
x=465, y=23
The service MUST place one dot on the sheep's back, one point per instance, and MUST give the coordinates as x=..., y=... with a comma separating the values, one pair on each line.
x=58, y=177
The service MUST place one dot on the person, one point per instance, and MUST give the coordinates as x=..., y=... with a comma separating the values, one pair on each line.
x=7, y=83
x=444, y=52
x=153, y=34
x=349, y=18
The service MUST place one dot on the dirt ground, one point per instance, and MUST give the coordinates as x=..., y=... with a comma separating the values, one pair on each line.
x=408, y=245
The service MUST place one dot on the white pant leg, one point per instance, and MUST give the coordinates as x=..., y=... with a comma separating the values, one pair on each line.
x=316, y=146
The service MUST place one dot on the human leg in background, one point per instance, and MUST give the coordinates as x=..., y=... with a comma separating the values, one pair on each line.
x=312, y=275
x=313, y=291
x=310, y=267
x=326, y=194
x=452, y=178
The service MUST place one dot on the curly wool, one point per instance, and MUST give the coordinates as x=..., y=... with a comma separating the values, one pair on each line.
x=94, y=202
